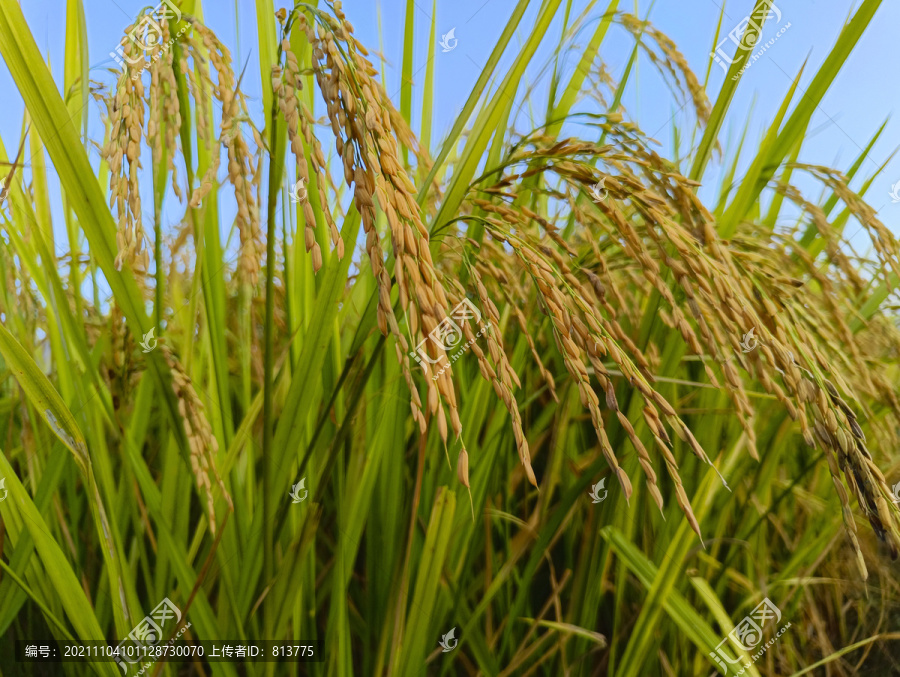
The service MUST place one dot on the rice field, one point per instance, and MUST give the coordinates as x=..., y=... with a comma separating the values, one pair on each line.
x=505, y=399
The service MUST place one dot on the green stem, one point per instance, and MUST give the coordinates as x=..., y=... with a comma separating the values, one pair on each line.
x=275, y=168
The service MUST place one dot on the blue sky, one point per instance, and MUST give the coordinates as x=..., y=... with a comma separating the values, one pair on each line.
x=862, y=97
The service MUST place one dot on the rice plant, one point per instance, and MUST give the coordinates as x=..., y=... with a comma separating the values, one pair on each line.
x=515, y=401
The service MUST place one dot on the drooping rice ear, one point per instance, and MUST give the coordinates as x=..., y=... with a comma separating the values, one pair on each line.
x=462, y=468
x=462, y=473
